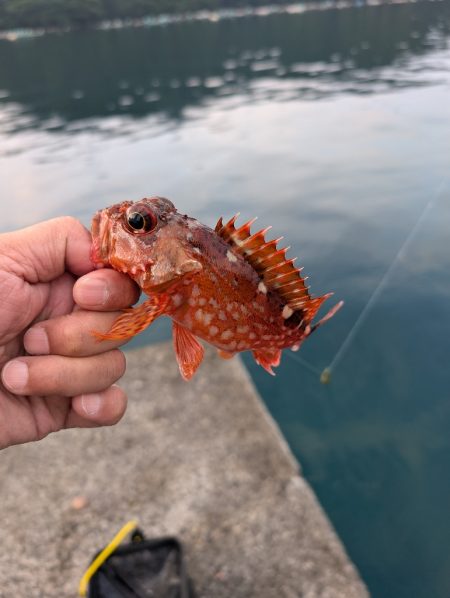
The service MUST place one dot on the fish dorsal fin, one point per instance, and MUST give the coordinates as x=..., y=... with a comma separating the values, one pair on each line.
x=278, y=273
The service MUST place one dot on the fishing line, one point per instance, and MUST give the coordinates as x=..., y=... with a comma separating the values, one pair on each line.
x=303, y=362
x=325, y=376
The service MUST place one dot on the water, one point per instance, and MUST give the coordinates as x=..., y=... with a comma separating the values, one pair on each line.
x=333, y=126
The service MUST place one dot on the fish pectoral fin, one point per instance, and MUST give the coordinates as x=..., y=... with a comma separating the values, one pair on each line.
x=135, y=319
x=267, y=358
x=188, y=350
x=225, y=354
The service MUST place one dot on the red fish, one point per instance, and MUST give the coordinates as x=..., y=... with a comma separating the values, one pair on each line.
x=231, y=288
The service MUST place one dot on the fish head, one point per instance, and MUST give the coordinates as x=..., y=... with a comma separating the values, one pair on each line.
x=143, y=240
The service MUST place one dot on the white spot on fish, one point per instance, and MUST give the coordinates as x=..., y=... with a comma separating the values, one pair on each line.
x=241, y=344
x=192, y=224
x=235, y=315
x=232, y=345
x=244, y=309
x=262, y=288
x=242, y=329
x=267, y=337
x=177, y=299
x=195, y=290
x=207, y=317
x=189, y=237
x=222, y=316
x=197, y=250
x=287, y=312
x=192, y=301
x=252, y=335
x=231, y=257
x=213, y=330
x=202, y=301
x=226, y=334
x=295, y=347
x=199, y=315
x=213, y=302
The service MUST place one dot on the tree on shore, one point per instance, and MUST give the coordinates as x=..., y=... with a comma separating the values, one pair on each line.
x=49, y=13
x=82, y=13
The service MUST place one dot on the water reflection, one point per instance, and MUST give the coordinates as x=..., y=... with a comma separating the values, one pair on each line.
x=52, y=81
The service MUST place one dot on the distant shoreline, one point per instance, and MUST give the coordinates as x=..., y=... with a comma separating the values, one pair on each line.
x=213, y=16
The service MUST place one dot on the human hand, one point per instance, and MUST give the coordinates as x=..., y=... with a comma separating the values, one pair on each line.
x=54, y=374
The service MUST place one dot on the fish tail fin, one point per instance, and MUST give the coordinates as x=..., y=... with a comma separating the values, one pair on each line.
x=328, y=315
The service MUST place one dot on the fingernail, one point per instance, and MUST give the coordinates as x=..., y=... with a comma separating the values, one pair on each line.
x=92, y=291
x=15, y=376
x=36, y=341
x=91, y=403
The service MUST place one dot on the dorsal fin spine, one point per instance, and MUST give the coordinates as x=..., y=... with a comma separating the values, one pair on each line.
x=277, y=272
x=279, y=277
x=245, y=228
x=254, y=237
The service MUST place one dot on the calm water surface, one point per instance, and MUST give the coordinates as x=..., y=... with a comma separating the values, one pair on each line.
x=334, y=127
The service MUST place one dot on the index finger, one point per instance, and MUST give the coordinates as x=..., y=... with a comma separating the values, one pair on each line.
x=105, y=290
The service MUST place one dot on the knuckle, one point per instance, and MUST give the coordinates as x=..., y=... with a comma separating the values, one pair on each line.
x=114, y=366
x=46, y=375
x=120, y=363
x=70, y=338
x=69, y=222
x=62, y=224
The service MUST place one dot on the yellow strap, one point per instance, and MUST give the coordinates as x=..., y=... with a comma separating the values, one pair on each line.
x=105, y=553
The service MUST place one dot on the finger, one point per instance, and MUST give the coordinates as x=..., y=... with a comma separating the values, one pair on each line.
x=72, y=335
x=105, y=290
x=44, y=251
x=100, y=409
x=22, y=303
x=64, y=376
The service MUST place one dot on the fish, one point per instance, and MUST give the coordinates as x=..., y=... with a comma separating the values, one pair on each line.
x=228, y=286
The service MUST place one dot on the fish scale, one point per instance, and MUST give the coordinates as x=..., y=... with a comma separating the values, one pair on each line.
x=227, y=286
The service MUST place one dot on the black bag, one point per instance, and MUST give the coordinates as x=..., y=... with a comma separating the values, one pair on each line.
x=143, y=569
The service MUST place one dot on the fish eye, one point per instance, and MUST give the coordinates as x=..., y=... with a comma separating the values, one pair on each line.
x=140, y=220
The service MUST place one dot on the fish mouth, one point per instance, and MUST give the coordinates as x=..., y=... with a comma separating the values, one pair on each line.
x=100, y=248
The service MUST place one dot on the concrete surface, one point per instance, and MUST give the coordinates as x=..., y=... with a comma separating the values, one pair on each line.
x=202, y=460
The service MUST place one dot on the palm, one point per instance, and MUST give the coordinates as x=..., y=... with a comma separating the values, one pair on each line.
x=38, y=416
x=53, y=374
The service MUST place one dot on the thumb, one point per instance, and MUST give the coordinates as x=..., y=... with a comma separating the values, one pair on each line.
x=42, y=252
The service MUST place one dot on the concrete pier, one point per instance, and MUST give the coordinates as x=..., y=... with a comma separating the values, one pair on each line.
x=201, y=460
